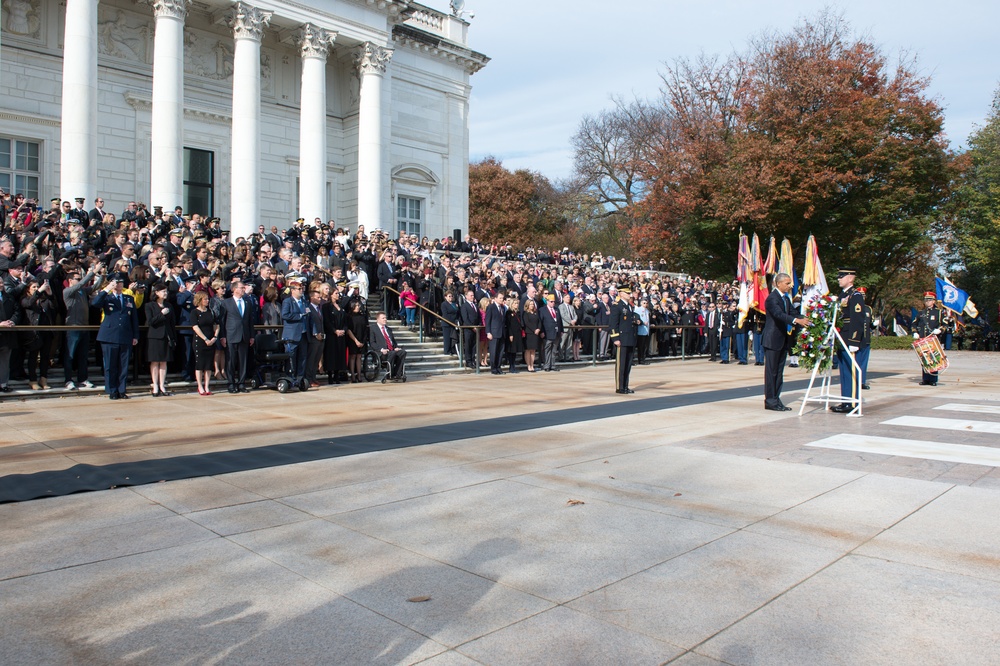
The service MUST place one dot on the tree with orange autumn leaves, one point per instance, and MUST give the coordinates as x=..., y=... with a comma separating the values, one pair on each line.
x=810, y=132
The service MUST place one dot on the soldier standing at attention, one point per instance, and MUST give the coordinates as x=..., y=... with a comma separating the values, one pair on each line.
x=852, y=305
x=622, y=332
x=928, y=322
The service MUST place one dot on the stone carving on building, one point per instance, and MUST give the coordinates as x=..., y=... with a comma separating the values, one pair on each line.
x=266, y=73
x=372, y=58
x=206, y=57
x=21, y=18
x=314, y=42
x=247, y=21
x=119, y=39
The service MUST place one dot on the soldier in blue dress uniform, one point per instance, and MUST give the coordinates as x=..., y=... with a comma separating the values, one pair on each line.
x=119, y=332
x=852, y=330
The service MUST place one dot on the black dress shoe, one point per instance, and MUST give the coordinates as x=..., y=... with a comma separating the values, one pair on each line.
x=928, y=383
x=629, y=391
x=123, y=396
x=621, y=392
x=724, y=363
x=842, y=408
x=777, y=408
x=5, y=389
x=113, y=396
x=866, y=387
x=232, y=389
x=243, y=389
x=758, y=363
x=743, y=362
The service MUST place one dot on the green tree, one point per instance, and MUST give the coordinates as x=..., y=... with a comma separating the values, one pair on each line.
x=975, y=223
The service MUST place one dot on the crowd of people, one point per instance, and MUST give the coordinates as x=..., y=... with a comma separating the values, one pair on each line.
x=178, y=293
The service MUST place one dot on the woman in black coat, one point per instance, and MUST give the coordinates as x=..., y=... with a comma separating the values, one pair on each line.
x=161, y=338
x=532, y=326
x=515, y=333
x=357, y=338
x=335, y=324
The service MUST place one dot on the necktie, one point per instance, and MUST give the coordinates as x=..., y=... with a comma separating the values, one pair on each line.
x=388, y=341
x=121, y=301
x=239, y=306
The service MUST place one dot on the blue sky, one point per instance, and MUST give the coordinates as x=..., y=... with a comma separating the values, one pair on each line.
x=554, y=61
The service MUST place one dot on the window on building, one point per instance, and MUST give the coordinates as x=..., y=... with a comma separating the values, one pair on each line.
x=409, y=214
x=19, y=167
x=199, y=182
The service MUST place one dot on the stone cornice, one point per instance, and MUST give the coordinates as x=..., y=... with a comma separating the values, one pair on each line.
x=433, y=45
x=34, y=120
x=141, y=102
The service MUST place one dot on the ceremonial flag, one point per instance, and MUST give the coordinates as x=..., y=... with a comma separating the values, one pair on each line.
x=954, y=298
x=744, y=303
x=813, y=278
x=901, y=326
x=743, y=259
x=772, y=259
x=786, y=264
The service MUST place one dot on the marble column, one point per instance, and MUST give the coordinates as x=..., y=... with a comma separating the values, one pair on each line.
x=315, y=43
x=78, y=140
x=248, y=25
x=372, y=61
x=167, y=166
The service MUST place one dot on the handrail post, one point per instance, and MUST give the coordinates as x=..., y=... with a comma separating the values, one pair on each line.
x=683, y=342
x=421, y=326
x=594, y=335
x=460, y=345
x=478, y=350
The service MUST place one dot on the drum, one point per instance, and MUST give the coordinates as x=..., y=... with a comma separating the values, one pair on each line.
x=931, y=354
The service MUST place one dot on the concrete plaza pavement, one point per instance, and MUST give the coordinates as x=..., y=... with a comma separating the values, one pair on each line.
x=691, y=527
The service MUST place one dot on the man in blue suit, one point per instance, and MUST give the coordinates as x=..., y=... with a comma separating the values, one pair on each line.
x=777, y=340
x=293, y=313
x=119, y=332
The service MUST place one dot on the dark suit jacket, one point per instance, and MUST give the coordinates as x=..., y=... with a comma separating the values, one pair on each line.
x=377, y=341
x=121, y=324
x=385, y=273
x=450, y=312
x=552, y=327
x=779, y=317
x=495, y=323
x=468, y=314
x=236, y=329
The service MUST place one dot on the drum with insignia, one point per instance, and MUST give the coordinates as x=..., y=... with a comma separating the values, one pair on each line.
x=931, y=354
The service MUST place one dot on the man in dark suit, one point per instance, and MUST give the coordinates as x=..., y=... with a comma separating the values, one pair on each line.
x=623, y=331
x=777, y=340
x=388, y=279
x=293, y=316
x=552, y=329
x=316, y=338
x=119, y=332
x=468, y=315
x=713, y=322
x=496, y=328
x=237, y=337
x=383, y=342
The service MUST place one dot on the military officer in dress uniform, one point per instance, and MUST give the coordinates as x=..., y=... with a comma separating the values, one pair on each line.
x=80, y=213
x=852, y=305
x=622, y=333
x=928, y=322
x=119, y=332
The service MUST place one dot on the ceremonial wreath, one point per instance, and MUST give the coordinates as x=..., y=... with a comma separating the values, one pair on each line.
x=811, y=345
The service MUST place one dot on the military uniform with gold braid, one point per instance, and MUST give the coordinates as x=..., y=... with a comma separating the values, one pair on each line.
x=928, y=322
x=622, y=330
x=852, y=306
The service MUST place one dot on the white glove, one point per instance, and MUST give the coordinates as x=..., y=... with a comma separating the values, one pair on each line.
x=936, y=331
x=916, y=336
x=852, y=349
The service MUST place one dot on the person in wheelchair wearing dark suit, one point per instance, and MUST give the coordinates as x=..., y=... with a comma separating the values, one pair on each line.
x=383, y=342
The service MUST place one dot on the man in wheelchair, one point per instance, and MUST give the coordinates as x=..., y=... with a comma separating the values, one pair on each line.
x=383, y=342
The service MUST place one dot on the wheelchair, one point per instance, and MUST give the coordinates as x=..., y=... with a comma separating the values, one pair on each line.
x=374, y=365
x=271, y=369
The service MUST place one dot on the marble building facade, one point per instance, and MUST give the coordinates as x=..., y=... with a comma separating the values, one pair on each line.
x=257, y=113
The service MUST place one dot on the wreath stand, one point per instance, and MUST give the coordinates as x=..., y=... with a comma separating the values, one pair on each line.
x=831, y=340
